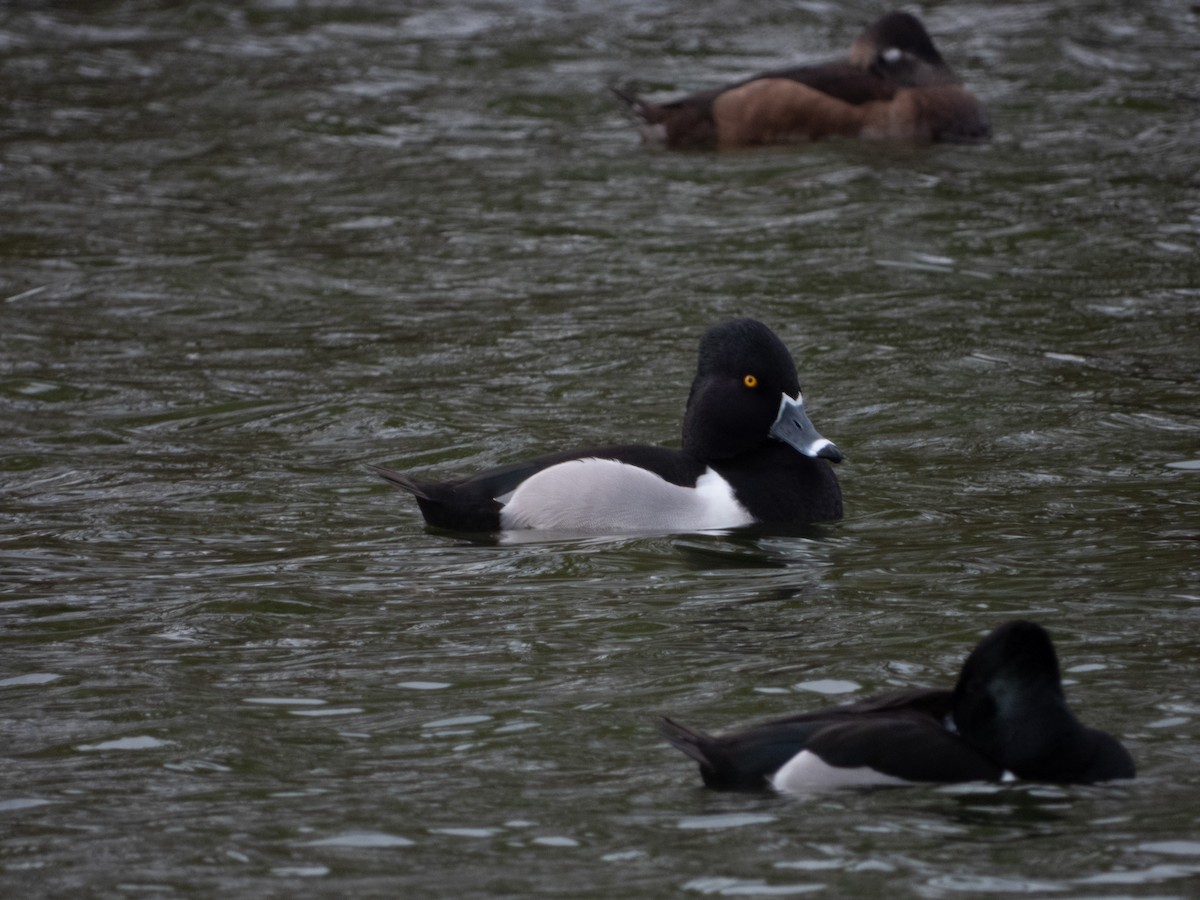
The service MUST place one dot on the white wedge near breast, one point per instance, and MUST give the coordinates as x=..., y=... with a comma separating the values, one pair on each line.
x=808, y=772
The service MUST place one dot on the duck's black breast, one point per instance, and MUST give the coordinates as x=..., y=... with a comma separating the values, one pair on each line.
x=1104, y=758
x=1086, y=756
x=777, y=485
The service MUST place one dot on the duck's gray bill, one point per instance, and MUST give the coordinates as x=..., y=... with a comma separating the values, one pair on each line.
x=794, y=428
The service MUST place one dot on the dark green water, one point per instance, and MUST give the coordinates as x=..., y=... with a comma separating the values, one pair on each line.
x=246, y=248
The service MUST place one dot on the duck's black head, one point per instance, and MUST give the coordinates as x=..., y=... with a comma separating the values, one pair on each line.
x=746, y=392
x=1010, y=693
x=742, y=372
x=1009, y=704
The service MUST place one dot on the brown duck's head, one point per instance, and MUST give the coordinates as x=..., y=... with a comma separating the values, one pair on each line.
x=898, y=48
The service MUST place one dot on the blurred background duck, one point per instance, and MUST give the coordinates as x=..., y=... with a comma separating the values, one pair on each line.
x=892, y=85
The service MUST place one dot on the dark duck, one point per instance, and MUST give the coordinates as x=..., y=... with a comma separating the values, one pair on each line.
x=1006, y=718
x=750, y=454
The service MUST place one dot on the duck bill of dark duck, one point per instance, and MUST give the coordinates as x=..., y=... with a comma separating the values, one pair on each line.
x=795, y=428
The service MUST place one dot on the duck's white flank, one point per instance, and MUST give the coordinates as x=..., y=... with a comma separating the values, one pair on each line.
x=606, y=496
x=806, y=772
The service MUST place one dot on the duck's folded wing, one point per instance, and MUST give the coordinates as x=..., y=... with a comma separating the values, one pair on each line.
x=931, y=703
x=841, y=80
x=906, y=748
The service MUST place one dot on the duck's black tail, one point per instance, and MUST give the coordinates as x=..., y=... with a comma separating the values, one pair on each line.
x=402, y=481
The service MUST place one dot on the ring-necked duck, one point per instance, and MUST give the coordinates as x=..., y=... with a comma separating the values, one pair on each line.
x=893, y=85
x=1006, y=718
x=750, y=454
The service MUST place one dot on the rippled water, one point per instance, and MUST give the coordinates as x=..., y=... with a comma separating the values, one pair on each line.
x=248, y=247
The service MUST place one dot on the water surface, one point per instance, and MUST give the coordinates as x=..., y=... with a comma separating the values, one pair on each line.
x=249, y=247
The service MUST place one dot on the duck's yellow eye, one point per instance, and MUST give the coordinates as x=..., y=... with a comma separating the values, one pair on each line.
x=750, y=381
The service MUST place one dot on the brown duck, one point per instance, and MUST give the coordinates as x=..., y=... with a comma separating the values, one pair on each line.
x=892, y=85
